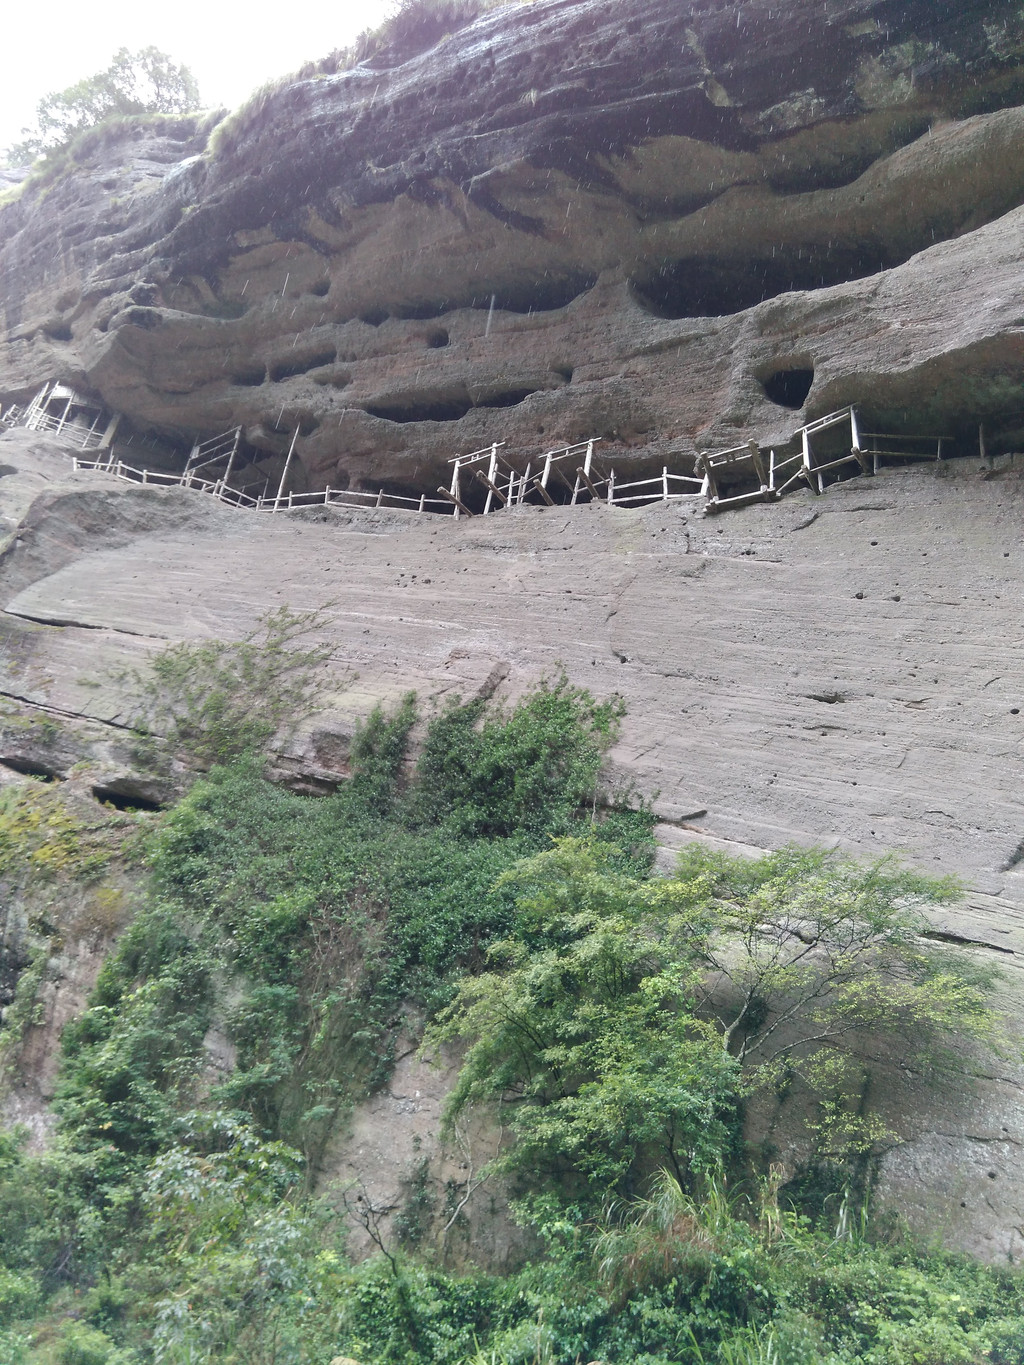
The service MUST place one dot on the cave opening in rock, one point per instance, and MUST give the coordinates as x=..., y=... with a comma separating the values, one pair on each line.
x=444, y=406
x=421, y=409
x=124, y=797
x=788, y=388
x=420, y=312
x=250, y=378
x=532, y=296
x=437, y=339
x=25, y=767
x=302, y=362
x=539, y=296
x=699, y=287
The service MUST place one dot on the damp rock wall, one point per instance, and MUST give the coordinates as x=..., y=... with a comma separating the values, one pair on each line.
x=842, y=670
x=563, y=221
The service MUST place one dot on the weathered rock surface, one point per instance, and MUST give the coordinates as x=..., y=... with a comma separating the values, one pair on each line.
x=666, y=210
x=844, y=669
x=573, y=220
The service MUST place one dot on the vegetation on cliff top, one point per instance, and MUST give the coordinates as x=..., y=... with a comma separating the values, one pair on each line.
x=135, y=83
x=175, y=1217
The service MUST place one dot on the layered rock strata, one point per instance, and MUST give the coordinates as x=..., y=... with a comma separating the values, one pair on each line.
x=844, y=669
x=555, y=224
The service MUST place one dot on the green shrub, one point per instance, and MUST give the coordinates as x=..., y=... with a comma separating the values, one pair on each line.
x=218, y=699
x=19, y=1294
x=494, y=773
x=81, y=1344
x=172, y=1206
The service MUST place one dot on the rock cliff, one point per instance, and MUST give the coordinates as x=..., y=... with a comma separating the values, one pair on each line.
x=672, y=227
x=844, y=670
x=554, y=224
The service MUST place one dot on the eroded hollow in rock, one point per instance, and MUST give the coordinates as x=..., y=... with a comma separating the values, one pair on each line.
x=699, y=287
x=124, y=796
x=788, y=388
x=301, y=362
x=542, y=296
x=250, y=378
x=448, y=406
x=534, y=296
x=27, y=768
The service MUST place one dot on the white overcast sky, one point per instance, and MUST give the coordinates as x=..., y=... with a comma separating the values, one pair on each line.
x=230, y=48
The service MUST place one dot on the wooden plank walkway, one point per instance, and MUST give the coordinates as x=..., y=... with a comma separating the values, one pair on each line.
x=824, y=451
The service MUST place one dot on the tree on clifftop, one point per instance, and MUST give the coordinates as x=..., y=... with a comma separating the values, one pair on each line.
x=143, y=82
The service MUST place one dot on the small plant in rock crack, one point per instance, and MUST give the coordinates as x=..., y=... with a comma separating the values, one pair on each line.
x=217, y=699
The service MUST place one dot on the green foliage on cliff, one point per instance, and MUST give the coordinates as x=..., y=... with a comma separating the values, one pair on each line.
x=173, y=1219
x=135, y=83
x=214, y=700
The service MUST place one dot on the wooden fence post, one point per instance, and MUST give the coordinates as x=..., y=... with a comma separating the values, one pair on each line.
x=287, y=468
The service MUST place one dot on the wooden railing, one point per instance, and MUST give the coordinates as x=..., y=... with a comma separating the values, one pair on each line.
x=746, y=474
x=724, y=479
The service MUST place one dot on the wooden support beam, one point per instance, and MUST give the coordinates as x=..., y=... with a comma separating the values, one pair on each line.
x=64, y=415
x=543, y=483
x=287, y=468
x=704, y=462
x=758, y=463
x=493, y=491
x=231, y=458
x=585, y=476
x=460, y=506
x=492, y=469
x=524, y=482
x=814, y=480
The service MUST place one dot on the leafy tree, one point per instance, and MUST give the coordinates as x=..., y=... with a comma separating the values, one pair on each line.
x=584, y=1032
x=487, y=772
x=804, y=950
x=217, y=699
x=143, y=82
x=625, y=1017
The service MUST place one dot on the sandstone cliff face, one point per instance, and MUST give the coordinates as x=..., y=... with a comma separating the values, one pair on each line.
x=844, y=670
x=564, y=222
x=668, y=211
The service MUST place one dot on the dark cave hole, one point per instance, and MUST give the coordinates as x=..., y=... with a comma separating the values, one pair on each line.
x=26, y=768
x=541, y=296
x=320, y=289
x=538, y=296
x=58, y=331
x=697, y=287
x=438, y=339
x=441, y=407
x=788, y=388
x=420, y=312
x=123, y=797
x=336, y=379
x=250, y=379
x=423, y=410
x=373, y=317
x=300, y=363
